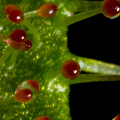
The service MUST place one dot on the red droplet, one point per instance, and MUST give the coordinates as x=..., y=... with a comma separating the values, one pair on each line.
x=111, y=8
x=18, y=35
x=16, y=16
x=47, y=10
x=116, y=118
x=70, y=69
x=23, y=95
x=42, y=118
x=27, y=45
x=9, y=8
x=34, y=84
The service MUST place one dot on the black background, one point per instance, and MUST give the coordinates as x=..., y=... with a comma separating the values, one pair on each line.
x=97, y=37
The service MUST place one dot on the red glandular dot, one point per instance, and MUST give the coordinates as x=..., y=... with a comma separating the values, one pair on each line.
x=9, y=8
x=16, y=16
x=42, y=118
x=116, y=118
x=18, y=35
x=34, y=84
x=47, y=10
x=27, y=45
x=111, y=8
x=70, y=69
x=23, y=95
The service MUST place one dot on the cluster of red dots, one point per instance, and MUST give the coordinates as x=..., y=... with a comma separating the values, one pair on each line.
x=70, y=69
x=17, y=39
x=110, y=8
x=15, y=14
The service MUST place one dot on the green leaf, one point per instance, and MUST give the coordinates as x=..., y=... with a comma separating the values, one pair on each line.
x=42, y=62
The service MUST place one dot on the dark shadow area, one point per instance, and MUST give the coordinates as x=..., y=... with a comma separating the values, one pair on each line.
x=98, y=38
x=95, y=101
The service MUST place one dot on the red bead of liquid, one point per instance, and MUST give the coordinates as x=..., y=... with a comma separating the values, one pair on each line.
x=47, y=10
x=16, y=16
x=111, y=8
x=9, y=8
x=27, y=45
x=18, y=35
x=70, y=69
x=116, y=118
x=23, y=95
x=42, y=118
x=34, y=84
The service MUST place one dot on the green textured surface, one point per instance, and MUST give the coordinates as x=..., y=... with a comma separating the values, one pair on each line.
x=42, y=62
